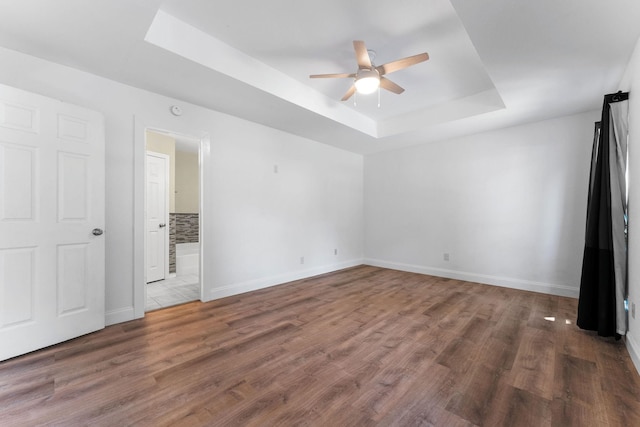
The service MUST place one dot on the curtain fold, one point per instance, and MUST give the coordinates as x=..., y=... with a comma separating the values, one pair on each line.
x=604, y=266
x=618, y=133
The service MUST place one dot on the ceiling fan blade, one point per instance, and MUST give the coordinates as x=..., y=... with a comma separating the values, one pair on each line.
x=362, y=56
x=392, y=66
x=390, y=86
x=350, y=92
x=331, y=76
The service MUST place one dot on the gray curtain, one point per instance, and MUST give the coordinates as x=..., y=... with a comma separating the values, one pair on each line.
x=603, y=288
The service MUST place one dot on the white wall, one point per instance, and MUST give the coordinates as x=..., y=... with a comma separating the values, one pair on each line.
x=260, y=222
x=187, y=193
x=631, y=83
x=266, y=221
x=508, y=206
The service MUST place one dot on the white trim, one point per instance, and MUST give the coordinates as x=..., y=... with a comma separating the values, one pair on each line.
x=141, y=125
x=204, y=174
x=119, y=315
x=265, y=282
x=506, y=282
x=634, y=351
x=139, y=173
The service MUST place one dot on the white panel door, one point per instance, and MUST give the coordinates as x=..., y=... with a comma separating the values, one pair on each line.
x=51, y=200
x=157, y=216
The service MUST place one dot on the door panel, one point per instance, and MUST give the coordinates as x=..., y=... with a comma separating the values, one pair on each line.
x=18, y=268
x=73, y=177
x=157, y=215
x=17, y=116
x=51, y=198
x=72, y=278
x=17, y=181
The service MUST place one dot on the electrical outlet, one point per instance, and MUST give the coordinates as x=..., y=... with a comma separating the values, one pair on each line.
x=335, y=251
x=301, y=260
x=445, y=256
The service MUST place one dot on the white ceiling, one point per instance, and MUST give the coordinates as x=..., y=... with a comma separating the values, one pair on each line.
x=493, y=63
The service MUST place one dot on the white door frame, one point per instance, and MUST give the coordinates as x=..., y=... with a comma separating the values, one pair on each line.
x=141, y=125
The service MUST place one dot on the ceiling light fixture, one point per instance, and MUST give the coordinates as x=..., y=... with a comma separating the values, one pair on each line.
x=370, y=78
x=367, y=81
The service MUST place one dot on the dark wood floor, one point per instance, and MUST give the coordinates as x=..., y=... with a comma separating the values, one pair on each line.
x=363, y=346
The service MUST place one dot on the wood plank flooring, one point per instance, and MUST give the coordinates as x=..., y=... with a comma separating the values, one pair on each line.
x=359, y=347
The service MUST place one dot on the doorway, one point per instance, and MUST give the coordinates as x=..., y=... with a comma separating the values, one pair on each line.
x=172, y=219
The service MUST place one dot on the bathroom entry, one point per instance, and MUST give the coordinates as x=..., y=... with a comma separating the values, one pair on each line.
x=172, y=247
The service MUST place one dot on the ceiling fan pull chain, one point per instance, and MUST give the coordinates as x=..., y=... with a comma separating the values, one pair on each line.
x=378, y=96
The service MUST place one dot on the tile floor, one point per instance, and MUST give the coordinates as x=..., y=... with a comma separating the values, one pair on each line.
x=172, y=291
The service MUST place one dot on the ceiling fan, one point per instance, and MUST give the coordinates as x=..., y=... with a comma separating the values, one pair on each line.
x=369, y=77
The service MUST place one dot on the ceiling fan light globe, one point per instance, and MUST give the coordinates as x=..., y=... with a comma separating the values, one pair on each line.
x=367, y=85
x=367, y=81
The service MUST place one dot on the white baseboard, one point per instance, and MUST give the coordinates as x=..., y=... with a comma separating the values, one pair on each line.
x=634, y=351
x=265, y=282
x=506, y=282
x=119, y=315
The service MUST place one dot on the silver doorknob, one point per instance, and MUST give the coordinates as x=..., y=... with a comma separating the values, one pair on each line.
x=162, y=225
x=97, y=231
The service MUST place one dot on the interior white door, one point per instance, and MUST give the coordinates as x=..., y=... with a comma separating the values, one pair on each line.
x=157, y=216
x=51, y=219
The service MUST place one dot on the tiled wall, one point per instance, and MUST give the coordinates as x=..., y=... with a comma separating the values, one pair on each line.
x=172, y=243
x=183, y=229
x=186, y=227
